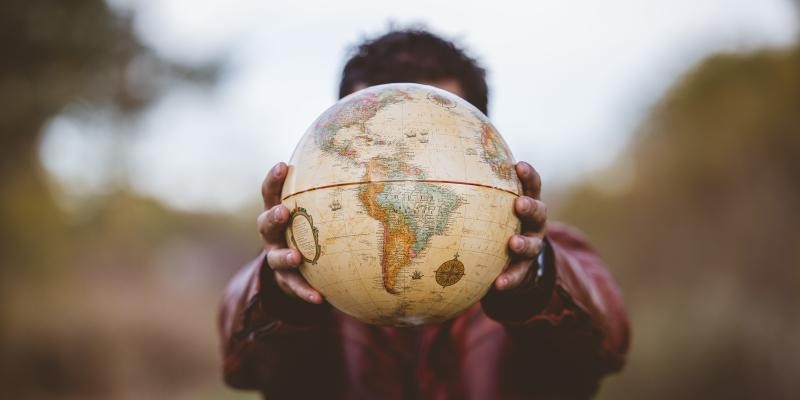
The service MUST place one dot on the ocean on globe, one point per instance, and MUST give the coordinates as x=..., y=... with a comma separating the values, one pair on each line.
x=401, y=199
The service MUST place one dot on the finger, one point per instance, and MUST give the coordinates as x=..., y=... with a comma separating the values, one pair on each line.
x=531, y=182
x=525, y=246
x=514, y=275
x=271, y=225
x=283, y=258
x=532, y=213
x=273, y=184
x=294, y=284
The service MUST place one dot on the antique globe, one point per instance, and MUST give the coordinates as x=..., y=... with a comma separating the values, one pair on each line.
x=401, y=199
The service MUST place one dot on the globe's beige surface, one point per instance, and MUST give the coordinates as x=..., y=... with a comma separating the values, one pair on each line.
x=401, y=200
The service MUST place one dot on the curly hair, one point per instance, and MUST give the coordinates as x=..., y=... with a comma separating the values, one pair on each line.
x=414, y=55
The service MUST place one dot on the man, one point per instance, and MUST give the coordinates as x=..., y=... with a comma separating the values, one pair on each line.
x=552, y=325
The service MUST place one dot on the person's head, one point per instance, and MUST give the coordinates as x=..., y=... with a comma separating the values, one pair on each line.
x=415, y=55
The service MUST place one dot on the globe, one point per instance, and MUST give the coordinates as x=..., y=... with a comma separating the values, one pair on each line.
x=401, y=199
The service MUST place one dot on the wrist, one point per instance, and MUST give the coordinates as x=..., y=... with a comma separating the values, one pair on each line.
x=529, y=298
x=545, y=269
x=286, y=307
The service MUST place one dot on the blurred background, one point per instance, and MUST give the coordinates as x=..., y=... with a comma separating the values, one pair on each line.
x=134, y=136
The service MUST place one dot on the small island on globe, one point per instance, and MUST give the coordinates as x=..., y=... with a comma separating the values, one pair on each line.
x=401, y=200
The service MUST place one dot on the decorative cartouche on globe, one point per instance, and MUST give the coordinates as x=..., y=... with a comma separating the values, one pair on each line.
x=401, y=200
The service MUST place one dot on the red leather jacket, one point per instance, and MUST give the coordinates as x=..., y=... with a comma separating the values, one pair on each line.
x=555, y=340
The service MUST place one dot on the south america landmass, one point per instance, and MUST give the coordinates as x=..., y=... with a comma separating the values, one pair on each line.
x=410, y=214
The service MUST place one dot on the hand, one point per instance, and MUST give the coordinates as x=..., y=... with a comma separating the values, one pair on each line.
x=272, y=225
x=526, y=246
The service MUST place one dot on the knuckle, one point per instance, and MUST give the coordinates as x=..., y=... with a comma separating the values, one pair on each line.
x=262, y=222
x=287, y=277
x=531, y=205
x=301, y=290
x=519, y=274
x=525, y=205
x=514, y=279
x=535, y=248
x=279, y=278
x=262, y=217
x=520, y=268
x=290, y=282
x=528, y=250
x=276, y=259
x=276, y=214
x=295, y=285
x=281, y=281
x=271, y=261
x=541, y=207
x=537, y=213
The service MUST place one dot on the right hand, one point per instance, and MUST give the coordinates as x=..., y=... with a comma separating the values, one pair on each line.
x=272, y=225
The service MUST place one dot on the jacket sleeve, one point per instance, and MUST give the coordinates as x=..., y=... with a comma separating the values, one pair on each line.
x=267, y=336
x=570, y=326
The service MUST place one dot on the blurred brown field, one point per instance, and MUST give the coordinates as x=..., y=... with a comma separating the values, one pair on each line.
x=114, y=296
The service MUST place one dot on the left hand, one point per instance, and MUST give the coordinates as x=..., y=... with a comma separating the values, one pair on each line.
x=526, y=246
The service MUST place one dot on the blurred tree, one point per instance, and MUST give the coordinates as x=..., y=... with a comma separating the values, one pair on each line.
x=56, y=338
x=56, y=53
x=700, y=219
x=53, y=53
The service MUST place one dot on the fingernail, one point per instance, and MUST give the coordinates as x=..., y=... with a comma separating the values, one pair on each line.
x=525, y=204
x=517, y=243
x=291, y=259
x=312, y=298
x=526, y=168
x=503, y=282
x=277, y=214
x=279, y=169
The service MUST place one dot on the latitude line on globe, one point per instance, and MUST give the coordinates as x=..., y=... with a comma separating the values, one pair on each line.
x=333, y=185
